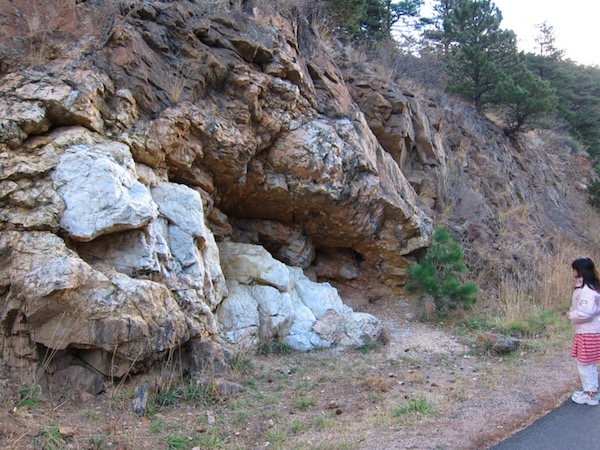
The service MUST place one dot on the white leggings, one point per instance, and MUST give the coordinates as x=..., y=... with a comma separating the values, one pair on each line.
x=589, y=376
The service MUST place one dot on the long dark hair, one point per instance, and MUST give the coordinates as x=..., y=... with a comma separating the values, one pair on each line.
x=586, y=270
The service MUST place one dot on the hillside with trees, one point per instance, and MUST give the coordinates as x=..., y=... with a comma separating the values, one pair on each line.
x=476, y=58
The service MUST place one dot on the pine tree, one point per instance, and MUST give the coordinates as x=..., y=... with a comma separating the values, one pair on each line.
x=546, y=40
x=396, y=11
x=523, y=100
x=477, y=50
x=347, y=16
x=436, y=274
x=370, y=20
x=578, y=91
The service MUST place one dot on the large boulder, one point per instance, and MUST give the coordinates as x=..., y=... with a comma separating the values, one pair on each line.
x=269, y=301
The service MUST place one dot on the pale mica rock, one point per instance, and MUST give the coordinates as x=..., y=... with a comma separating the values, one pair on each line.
x=185, y=232
x=177, y=245
x=184, y=243
x=165, y=249
x=318, y=297
x=359, y=329
x=182, y=206
x=157, y=236
x=129, y=252
x=305, y=315
x=246, y=263
x=100, y=191
x=300, y=334
x=322, y=320
x=215, y=286
x=238, y=317
x=275, y=309
x=184, y=250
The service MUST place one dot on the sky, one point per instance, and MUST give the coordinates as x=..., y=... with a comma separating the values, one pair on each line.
x=576, y=25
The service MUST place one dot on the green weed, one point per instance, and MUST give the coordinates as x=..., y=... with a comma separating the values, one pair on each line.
x=191, y=391
x=251, y=383
x=211, y=439
x=176, y=441
x=368, y=348
x=276, y=438
x=197, y=392
x=29, y=395
x=414, y=407
x=304, y=385
x=50, y=439
x=306, y=402
x=96, y=442
x=323, y=422
x=241, y=417
x=274, y=348
x=91, y=414
x=157, y=427
x=297, y=427
x=241, y=364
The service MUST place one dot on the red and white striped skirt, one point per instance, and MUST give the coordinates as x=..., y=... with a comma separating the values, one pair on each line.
x=586, y=348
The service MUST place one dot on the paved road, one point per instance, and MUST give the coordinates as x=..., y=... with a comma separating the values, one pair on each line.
x=569, y=427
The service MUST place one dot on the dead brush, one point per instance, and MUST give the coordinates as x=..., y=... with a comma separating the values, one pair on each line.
x=555, y=285
x=176, y=79
x=532, y=298
x=377, y=383
x=589, y=217
x=324, y=29
x=37, y=32
x=42, y=20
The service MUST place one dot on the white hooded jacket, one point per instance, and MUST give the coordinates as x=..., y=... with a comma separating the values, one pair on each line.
x=585, y=310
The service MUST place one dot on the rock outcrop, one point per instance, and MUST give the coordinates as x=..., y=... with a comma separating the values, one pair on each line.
x=179, y=172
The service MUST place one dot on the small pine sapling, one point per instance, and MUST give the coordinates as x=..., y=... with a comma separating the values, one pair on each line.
x=437, y=274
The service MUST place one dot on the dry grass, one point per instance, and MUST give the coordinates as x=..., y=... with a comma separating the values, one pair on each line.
x=449, y=174
x=555, y=287
x=324, y=29
x=30, y=390
x=535, y=302
x=40, y=23
x=589, y=217
x=176, y=80
x=378, y=383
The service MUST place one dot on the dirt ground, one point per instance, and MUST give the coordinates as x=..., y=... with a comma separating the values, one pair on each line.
x=426, y=387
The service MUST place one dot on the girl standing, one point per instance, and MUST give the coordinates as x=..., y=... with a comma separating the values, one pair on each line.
x=585, y=315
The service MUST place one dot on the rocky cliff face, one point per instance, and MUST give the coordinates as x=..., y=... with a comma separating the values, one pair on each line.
x=173, y=172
